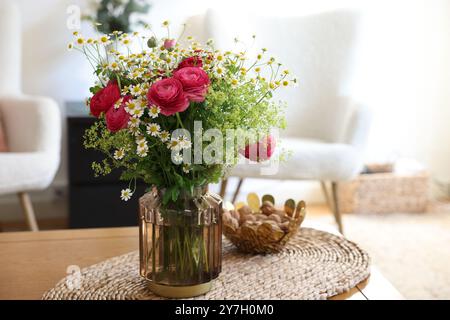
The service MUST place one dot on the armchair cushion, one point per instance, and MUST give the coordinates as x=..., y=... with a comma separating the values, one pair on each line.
x=33, y=127
x=310, y=160
x=26, y=171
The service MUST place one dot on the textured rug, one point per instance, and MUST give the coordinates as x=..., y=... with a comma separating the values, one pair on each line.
x=411, y=250
x=313, y=265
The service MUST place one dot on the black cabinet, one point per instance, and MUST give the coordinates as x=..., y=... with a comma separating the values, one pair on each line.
x=94, y=202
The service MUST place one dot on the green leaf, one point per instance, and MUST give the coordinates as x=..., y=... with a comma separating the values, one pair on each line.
x=95, y=89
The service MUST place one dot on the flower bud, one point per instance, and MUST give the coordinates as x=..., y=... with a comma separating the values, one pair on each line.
x=151, y=43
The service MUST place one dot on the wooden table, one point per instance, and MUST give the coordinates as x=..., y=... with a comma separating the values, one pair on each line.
x=31, y=263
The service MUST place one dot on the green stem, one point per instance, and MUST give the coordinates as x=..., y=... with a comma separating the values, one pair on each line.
x=179, y=120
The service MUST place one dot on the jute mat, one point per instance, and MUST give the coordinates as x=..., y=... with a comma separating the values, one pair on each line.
x=313, y=265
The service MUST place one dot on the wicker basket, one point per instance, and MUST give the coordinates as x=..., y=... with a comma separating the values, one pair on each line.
x=266, y=235
x=384, y=193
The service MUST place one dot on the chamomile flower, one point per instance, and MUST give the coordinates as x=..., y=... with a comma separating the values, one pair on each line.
x=285, y=83
x=126, y=41
x=126, y=194
x=174, y=144
x=119, y=154
x=184, y=142
x=131, y=106
x=177, y=159
x=104, y=40
x=80, y=40
x=154, y=111
x=134, y=130
x=114, y=66
x=135, y=90
x=134, y=122
x=164, y=136
x=166, y=23
x=135, y=74
x=153, y=129
x=137, y=112
x=142, y=152
x=70, y=46
x=140, y=139
x=186, y=168
x=90, y=41
x=219, y=72
x=234, y=83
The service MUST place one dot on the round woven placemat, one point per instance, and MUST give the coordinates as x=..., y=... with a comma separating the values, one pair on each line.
x=313, y=265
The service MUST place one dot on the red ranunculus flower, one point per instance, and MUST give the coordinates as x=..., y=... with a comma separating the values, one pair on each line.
x=117, y=119
x=169, y=96
x=104, y=99
x=193, y=61
x=195, y=82
x=260, y=151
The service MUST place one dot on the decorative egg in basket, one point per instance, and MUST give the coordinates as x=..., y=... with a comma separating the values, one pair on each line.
x=262, y=227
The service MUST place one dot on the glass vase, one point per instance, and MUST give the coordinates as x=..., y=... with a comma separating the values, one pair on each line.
x=180, y=242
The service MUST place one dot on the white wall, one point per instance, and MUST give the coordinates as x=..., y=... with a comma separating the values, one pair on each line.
x=402, y=70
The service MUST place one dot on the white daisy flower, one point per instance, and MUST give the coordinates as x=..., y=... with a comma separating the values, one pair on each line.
x=135, y=90
x=114, y=66
x=135, y=75
x=119, y=154
x=154, y=111
x=142, y=144
x=126, y=194
x=219, y=72
x=153, y=129
x=141, y=102
x=135, y=129
x=131, y=106
x=142, y=152
x=186, y=168
x=164, y=136
x=234, y=83
x=184, y=142
x=140, y=139
x=134, y=122
x=177, y=159
x=174, y=144
x=104, y=40
x=137, y=113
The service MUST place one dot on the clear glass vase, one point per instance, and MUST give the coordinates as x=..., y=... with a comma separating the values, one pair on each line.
x=181, y=242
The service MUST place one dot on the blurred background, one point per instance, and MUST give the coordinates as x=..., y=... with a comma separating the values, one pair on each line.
x=396, y=63
x=390, y=56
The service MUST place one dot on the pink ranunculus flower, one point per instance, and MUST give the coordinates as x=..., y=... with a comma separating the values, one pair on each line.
x=117, y=119
x=260, y=151
x=104, y=99
x=193, y=61
x=195, y=82
x=168, y=95
x=169, y=43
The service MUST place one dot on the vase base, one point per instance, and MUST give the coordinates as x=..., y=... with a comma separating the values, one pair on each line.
x=179, y=291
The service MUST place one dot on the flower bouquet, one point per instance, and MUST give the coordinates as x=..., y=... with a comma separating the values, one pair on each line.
x=178, y=117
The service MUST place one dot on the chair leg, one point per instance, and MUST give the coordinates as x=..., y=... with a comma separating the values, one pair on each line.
x=27, y=208
x=336, y=211
x=238, y=188
x=223, y=187
x=323, y=184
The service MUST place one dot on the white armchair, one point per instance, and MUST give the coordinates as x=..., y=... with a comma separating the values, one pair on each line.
x=326, y=131
x=32, y=124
